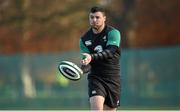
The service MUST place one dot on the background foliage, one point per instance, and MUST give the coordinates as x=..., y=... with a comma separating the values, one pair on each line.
x=35, y=35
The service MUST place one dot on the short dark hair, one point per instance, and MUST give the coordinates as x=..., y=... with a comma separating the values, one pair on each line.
x=95, y=9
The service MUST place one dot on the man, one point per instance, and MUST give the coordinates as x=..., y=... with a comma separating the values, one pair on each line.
x=100, y=47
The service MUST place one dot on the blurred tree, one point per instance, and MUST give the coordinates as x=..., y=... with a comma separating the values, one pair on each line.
x=57, y=22
x=45, y=23
x=156, y=24
x=28, y=86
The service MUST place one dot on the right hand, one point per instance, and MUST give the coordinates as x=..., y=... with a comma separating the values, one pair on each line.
x=86, y=59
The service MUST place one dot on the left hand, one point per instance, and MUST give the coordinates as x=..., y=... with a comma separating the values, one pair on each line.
x=87, y=59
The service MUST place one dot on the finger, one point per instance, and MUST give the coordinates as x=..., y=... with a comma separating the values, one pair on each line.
x=84, y=55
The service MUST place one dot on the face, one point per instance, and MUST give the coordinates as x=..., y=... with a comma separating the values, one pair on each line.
x=97, y=20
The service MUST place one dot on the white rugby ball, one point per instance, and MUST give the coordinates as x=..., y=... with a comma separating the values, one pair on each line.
x=70, y=70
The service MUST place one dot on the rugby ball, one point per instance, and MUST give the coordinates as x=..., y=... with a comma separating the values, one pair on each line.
x=70, y=70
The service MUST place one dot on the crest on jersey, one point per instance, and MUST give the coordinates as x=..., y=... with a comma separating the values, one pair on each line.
x=98, y=48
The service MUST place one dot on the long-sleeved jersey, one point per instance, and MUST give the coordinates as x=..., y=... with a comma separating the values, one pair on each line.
x=105, y=50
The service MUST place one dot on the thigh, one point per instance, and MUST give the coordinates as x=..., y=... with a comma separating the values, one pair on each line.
x=97, y=102
x=113, y=90
x=109, y=88
x=95, y=87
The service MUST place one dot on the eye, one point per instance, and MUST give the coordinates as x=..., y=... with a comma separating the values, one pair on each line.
x=97, y=17
x=91, y=17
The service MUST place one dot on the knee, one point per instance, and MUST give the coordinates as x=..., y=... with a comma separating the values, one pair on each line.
x=96, y=103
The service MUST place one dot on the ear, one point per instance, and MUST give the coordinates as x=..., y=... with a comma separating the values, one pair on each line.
x=104, y=18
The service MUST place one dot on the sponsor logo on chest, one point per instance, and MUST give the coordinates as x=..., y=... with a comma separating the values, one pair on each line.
x=88, y=43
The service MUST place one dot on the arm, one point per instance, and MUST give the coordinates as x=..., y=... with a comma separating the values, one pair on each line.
x=113, y=44
x=83, y=48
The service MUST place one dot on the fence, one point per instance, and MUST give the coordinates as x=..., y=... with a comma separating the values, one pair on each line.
x=150, y=79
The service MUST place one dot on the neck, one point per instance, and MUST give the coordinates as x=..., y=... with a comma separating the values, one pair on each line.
x=98, y=30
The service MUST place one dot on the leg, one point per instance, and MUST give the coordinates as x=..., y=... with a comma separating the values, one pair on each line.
x=107, y=108
x=96, y=103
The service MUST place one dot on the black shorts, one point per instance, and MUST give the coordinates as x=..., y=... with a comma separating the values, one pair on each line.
x=109, y=88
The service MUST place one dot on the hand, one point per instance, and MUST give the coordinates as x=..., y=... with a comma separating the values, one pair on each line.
x=86, y=59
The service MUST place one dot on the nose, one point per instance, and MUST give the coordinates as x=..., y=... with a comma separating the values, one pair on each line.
x=94, y=19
